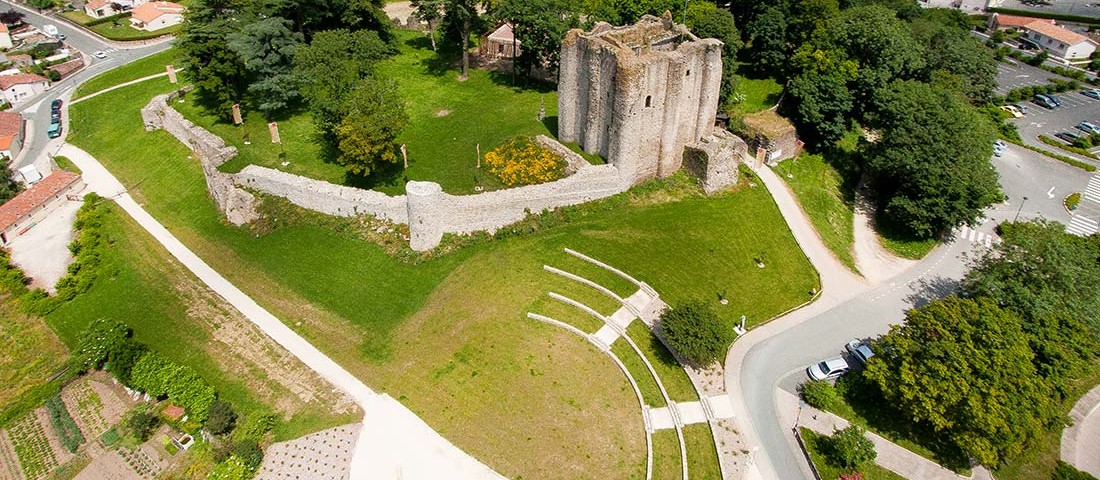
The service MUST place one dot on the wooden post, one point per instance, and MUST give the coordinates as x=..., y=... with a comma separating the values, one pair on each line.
x=273, y=127
x=478, y=154
x=405, y=156
x=237, y=120
x=171, y=73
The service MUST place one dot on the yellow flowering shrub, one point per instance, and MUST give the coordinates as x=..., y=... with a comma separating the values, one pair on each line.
x=521, y=161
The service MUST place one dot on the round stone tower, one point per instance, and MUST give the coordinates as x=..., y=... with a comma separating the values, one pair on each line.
x=424, y=200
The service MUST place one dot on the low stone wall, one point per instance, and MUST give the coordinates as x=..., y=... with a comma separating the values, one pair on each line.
x=323, y=197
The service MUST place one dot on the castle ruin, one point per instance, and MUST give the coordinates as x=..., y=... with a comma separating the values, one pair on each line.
x=637, y=95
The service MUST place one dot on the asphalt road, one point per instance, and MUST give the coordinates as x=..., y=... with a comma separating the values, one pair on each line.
x=780, y=360
x=36, y=111
x=1041, y=121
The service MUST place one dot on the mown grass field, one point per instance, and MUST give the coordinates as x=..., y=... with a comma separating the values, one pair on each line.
x=448, y=336
x=121, y=31
x=820, y=192
x=30, y=355
x=151, y=65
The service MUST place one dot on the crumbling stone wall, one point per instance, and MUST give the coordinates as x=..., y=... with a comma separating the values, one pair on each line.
x=771, y=137
x=321, y=196
x=637, y=95
x=714, y=159
x=238, y=205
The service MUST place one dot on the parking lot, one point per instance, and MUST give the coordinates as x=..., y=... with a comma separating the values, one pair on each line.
x=1075, y=109
x=1085, y=8
x=1014, y=74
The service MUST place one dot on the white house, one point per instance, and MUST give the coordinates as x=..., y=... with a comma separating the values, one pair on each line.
x=1058, y=41
x=5, y=37
x=152, y=16
x=21, y=86
x=102, y=8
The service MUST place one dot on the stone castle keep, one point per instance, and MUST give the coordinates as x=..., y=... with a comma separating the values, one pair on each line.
x=637, y=95
x=643, y=97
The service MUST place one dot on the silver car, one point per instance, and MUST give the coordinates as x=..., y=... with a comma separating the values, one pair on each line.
x=860, y=350
x=826, y=369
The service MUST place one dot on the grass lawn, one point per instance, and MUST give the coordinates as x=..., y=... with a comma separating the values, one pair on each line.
x=903, y=244
x=448, y=337
x=666, y=456
x=141, y=285
x=32, y=354
x=448, y=119
x=821, y=193
x=151, y=65
x=120, y=30
x=760, y=94
x=676, y=381
x=817, y=445
x=702, y=456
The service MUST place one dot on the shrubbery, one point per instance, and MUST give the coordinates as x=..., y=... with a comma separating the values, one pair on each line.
x=159, y=377
x=819, y=394
x=850, y=448
x=86, y=249
x=221, y=418
x=521, y=161
x=1055, y=86
x=696, y=332
x=142, y=424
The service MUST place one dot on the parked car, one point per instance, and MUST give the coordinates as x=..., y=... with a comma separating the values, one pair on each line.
x=1015, y=112
x=1088, y=127
x=55, y=105
x=826, y=369
x=1026, y=44
x=860, y=350
x=100, y=54
x=55, y=116
x=1068, y=135
x=1044, y=101
x=1057, y=101
x=1091, y=93
x=54, y=131
x=999, y=147
x=1022, y=107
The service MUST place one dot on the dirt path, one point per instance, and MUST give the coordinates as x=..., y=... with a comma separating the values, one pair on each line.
x=873, y=261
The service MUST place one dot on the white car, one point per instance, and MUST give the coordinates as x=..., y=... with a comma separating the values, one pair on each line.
x=860, y=350
x=100, y=54
x=826, y=369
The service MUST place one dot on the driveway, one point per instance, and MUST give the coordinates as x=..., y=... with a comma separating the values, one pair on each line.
x=779, y=360
x=43, y=252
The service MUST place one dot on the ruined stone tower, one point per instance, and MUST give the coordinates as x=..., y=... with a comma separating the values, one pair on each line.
x=637, y=95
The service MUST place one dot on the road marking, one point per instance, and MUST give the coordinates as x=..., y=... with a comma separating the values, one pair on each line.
x=1050, y=193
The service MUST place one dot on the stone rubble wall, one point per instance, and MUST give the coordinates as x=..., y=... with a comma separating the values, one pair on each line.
x=573, y=160
x=714, y=160
x=322, y=196
x=238, y=205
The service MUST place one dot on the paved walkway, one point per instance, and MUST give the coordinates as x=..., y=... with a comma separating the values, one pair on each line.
x=1081, y=441
x=838, y=284
x=890, y=455
x=394, y=442
x=124, y=84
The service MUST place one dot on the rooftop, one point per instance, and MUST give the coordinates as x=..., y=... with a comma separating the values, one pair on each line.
x=34, y=197
x=8, y=81
x=1066, y=36
x=150, y=11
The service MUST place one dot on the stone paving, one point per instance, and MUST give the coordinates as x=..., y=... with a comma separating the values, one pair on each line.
x=325, y=455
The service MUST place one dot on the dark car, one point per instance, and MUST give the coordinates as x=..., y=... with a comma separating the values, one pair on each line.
x=1069, y=136
x=55, y=105
x=1091, y=93
x=55, y=116
x=1057, y=101
x=1044, y=101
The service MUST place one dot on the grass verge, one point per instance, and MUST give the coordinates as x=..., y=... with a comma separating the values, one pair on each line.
x=151, y=65
x=1069, y=148
x=1061, y=158
x=666, y=456
x=702, y=456
x=821, y=193
x=817, y=444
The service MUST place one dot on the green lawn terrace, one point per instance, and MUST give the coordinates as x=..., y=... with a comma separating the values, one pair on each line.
x=449, y=121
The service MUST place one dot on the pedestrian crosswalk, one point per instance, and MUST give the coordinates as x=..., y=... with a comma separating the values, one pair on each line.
x=965, y=233
x=1082, y=225
x=1092, y=191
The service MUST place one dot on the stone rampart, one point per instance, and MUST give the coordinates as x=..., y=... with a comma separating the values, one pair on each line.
x=322, y=196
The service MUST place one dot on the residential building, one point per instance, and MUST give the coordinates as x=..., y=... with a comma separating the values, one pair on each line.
x=5, y=37
x=1058, y=41
x=102, y=8
x=501, y=43
x=1000, y=21
x=22, y=86
x=34, y=203
x=67, y=68
x=11, y=135
x=21, y=60
x=152, y=16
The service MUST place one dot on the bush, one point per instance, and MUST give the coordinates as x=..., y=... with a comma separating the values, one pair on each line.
x=819, y=394
x=221, y=419
x=142, y=424
x=232, y=468
x=249, y=452
x=521, y=161
x=86, y=248
x=696, y=332
x=157, y=376
x=254, y=426
x=1069, y=148
x=1072, y=200
x=1065, y=471
x=850, y=448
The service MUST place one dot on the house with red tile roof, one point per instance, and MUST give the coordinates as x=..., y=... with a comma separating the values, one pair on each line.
x=22, y=86
x=29, y=207
x=1059, y=41
x=67, y=68
x=1000, y=21
x=151, y=16
x=11, y=134
x=5, y=37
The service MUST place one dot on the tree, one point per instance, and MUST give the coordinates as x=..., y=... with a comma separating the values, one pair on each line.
x=430, y=11
x=964, y=368
x=11, y=17
x=767, y=34
x=41, y=4
x=696, y=332
x=1065, y=471
x=330, y=67
x=376, y=115
x=97, y=341
x=123, y=357
x=539, y=27
x=809, y=17
x=953, y=51
x=462, y=15
x=819, y=394
x=142, y=424
x=249, y=452
x=217, y=72
x=1048, y=277
x=821, y=105
x=266, y=47
x=930, y=169
x=221, y=418
x=881, y=43
x=625, y=12
x=707, y=21
x=850, y=447
x=9, y=188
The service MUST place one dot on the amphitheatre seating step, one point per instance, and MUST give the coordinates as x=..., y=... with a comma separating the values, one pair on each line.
x=607, y=335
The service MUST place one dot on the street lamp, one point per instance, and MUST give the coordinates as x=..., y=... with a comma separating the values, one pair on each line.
x=1018, y=210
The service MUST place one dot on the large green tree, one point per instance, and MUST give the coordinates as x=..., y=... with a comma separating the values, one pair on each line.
x=883, y=45
x=964, y=368
x=376, y=115
x=267, y=46
x=430, y=11
x=767, y=39
x=463, y=16
x=953, y=51
x=820, y=100
x=330, y=67
x=696, y=332
x=539, y=27
x=217, y=72
x=930, y=168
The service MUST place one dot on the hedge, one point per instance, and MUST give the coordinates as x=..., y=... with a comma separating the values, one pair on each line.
x=67, y=431
x=1072, y=161
x=158, y=376
x=86, y=248
x=1069, y=148
x=101, y=21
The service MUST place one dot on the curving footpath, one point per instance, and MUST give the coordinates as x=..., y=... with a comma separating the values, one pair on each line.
x=1080, y=441
x=393, y=443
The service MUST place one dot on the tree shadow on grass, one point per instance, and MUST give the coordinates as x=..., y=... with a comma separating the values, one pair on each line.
x=445, y=59
x=866, y=399
x=519, y=82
